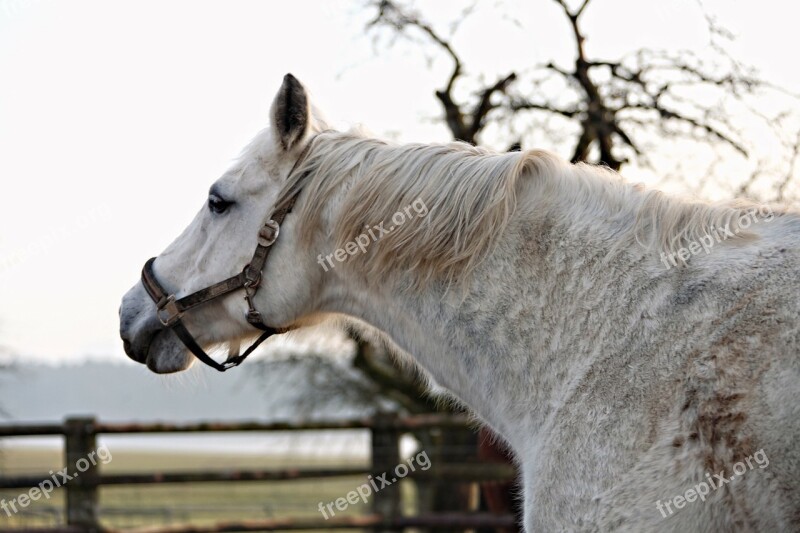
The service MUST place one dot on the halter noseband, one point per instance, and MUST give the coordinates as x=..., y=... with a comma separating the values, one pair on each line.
x=170, y=310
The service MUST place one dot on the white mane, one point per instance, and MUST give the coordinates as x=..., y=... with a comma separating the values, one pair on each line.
x=471, y=194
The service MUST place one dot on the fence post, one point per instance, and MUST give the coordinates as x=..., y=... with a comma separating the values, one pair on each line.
x=80, y=454
x=385, y=456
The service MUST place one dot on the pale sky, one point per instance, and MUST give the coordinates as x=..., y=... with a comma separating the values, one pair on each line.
x=106, y=105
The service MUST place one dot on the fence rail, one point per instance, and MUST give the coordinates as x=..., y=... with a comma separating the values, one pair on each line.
x=403, y=423
x=80, y=438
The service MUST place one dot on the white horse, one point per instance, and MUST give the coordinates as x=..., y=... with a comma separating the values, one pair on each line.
x=638, y=352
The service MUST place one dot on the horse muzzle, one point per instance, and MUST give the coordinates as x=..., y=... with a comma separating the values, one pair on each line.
x=138, y=325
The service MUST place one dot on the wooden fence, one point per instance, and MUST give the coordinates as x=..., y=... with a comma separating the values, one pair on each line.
x=80, y=438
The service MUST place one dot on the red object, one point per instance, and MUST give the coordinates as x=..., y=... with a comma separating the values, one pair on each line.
x=500, y=497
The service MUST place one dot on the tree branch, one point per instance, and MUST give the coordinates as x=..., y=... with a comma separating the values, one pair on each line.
x=464, y=124
x=485, y=104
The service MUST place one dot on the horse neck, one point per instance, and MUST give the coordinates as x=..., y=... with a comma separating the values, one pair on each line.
x=525, y=324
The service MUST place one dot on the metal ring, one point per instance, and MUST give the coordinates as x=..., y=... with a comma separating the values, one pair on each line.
x=251, y=283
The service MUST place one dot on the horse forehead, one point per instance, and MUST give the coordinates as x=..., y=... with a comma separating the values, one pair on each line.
x=249, y=176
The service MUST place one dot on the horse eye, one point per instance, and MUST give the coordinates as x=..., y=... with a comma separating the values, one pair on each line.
x=218, y=205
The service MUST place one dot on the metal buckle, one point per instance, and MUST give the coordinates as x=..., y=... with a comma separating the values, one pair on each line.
x=167, y=305
x=253, y=316
x=268, y=233
x=251, y=284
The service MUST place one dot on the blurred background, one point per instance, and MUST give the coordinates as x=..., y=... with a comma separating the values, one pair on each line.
x=102, y=103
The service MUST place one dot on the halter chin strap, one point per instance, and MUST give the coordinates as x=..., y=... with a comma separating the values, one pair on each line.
x=170, y=310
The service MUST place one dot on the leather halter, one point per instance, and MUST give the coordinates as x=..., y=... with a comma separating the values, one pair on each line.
x=170, y=310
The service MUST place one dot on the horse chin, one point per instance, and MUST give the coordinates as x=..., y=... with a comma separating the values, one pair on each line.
x=167, y=355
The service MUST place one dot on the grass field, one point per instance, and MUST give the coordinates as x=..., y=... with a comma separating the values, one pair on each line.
x=197, y=503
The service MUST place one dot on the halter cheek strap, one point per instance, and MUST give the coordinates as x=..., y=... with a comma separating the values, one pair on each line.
x=170, y=310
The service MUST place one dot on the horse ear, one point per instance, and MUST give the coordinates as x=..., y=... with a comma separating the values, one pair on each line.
x=290, y=112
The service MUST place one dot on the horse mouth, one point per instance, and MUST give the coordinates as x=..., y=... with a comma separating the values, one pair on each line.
x=140, y=356
x=144, y=355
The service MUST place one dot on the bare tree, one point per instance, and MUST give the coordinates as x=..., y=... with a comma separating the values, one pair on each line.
x=614, y=105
